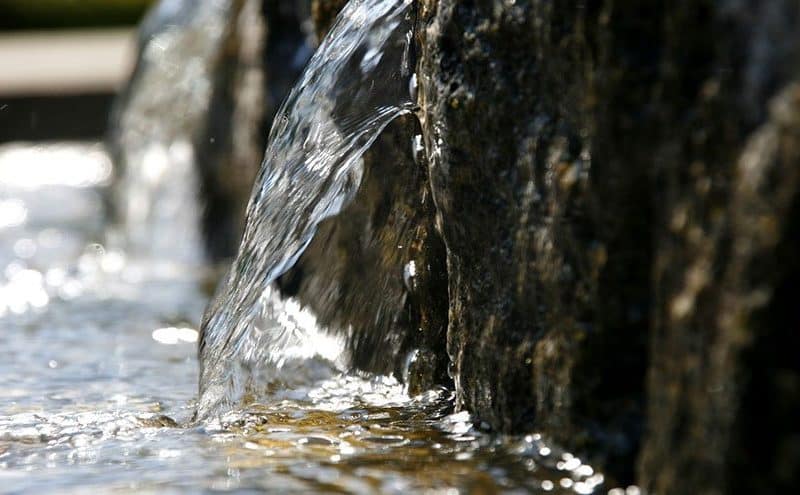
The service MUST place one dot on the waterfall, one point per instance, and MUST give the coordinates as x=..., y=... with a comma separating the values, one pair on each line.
x=154, y=123
x=353, y=87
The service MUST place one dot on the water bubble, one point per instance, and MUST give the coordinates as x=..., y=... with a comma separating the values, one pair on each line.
x=411, y=358
x=418, y=149
x=570, y=464
x=410, y=275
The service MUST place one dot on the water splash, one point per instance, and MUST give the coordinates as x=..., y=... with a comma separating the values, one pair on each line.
x=155, y=121
x=354, y=86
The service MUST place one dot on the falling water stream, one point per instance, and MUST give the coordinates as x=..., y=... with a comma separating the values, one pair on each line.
x=154, y=125
x=98, y=341
x=353, y=87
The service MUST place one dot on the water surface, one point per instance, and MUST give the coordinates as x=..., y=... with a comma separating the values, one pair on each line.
x=97, y=362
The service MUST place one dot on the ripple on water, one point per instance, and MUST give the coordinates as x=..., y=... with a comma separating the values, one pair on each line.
x=99, y=383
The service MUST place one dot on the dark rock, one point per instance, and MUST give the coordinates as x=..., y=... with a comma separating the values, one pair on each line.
x=230, y=148
x=723, y=389
x=603, y=230
x=323, y=13
x=532, y=124
x=725, y=363
x=615, y=198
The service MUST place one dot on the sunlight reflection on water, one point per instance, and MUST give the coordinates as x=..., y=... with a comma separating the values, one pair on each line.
x=97, y=358
x=29, y=166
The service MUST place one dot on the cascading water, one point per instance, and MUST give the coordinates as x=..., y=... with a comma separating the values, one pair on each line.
x=154, y=123
x=353, y=87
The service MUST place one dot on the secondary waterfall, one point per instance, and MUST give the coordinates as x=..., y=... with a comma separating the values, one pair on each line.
x=354, y=86
x=154, y=123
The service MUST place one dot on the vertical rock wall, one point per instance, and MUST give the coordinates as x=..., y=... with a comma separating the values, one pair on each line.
x=617, y=191
x=531, y=127
x=725, y=365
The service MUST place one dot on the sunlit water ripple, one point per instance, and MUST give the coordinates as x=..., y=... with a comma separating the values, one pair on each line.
x=97, y=361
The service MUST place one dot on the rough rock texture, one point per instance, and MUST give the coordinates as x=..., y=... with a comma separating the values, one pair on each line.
x=545, y=215
x=724, y=384
x=618, y=202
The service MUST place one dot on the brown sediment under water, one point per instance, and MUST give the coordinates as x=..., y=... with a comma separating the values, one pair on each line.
x=99, y=373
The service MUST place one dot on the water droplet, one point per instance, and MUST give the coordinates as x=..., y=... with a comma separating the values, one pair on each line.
x=413, y=87
x=410, y=275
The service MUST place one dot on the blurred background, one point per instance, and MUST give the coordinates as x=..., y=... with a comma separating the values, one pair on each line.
x=61, y=62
